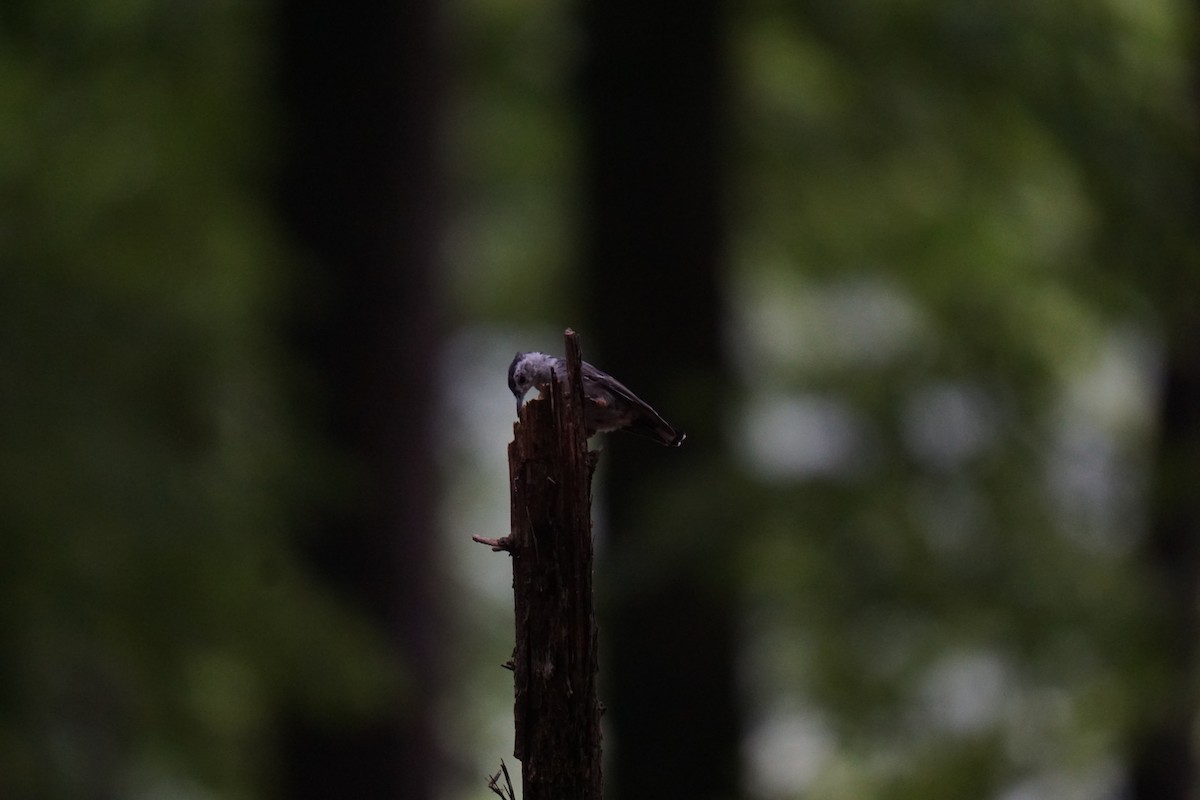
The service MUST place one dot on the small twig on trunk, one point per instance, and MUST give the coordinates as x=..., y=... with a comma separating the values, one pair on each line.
x=504, y=543
x=494, y=781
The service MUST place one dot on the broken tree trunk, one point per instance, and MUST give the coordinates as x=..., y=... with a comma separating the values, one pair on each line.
x=556, y=709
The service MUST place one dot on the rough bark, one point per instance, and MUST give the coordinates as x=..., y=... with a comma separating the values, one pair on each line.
x=555, y=662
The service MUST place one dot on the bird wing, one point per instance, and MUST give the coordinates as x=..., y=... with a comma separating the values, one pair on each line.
x=597, y=383
x=600, y=388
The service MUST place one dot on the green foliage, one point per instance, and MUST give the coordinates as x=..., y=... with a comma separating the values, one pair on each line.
x=956, y=221
x=154, y=619
x=960, y=230
x=512, y=168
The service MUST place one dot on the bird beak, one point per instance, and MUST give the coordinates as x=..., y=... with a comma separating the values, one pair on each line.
x=519, y=399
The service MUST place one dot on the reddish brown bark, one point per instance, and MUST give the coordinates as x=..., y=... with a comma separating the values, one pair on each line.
x=555, y=663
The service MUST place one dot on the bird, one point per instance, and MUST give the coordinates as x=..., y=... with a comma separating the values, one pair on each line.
x=608, y=405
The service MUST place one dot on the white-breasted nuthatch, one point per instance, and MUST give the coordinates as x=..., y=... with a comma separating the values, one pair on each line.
x=608, y=405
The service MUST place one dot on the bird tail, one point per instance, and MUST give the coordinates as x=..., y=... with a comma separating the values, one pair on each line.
x=657, y=429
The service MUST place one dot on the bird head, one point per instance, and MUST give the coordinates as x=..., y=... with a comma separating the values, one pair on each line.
x=529, y=371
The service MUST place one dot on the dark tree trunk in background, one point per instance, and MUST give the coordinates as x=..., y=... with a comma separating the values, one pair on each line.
x=652, y=89
x=1164, y=760
x=360, y=190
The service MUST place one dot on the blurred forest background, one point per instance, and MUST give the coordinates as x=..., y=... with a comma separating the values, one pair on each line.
x=919, y=279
